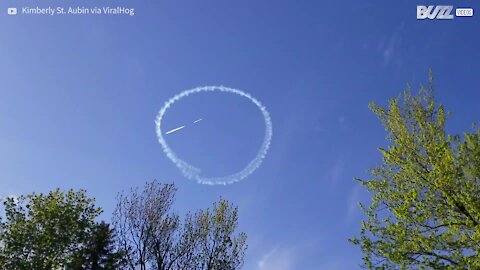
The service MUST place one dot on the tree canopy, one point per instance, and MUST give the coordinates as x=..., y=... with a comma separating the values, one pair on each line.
x=154, y=237
x=99, y=251
x=425, y=209
x=43, y=231
x=59, y=230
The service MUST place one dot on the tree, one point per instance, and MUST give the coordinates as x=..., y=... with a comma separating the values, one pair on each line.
x=425, y=209
x=99, y=252
x=155, y=238
x=219, y=250
x=43, y=231
x=145, y=227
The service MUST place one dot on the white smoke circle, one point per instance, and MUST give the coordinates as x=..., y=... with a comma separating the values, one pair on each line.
x=191, y=172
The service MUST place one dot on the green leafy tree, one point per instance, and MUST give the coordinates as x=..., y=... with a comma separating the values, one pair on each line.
x=219, y=248
x=99, y=252
x=425, y=209
x=43, y=231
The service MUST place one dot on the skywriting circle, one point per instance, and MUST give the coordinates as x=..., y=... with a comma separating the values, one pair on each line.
x=194, y=173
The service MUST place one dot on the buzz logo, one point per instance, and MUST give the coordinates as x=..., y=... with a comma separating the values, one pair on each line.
x=434, y=12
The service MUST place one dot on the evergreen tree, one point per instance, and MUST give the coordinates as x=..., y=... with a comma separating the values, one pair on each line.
x=99, y=253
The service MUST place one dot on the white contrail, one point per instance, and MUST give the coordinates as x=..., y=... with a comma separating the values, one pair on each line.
x=198, y=120
x=173, y=130
x=192, y=172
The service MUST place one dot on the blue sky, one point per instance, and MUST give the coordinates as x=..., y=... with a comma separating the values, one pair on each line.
x=79, y=95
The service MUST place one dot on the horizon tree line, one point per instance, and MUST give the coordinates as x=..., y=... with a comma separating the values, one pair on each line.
x=59, y=230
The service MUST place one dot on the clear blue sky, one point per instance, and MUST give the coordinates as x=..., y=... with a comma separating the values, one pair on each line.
x=78, y=98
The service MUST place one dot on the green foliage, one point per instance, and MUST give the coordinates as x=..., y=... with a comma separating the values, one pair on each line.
x=58, y=231
x=219, y=248
x=99, y=252
x=425, y=209
x=43, y=231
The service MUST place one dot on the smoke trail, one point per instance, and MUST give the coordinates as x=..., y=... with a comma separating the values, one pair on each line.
x=175, y=129
x=192, y=172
